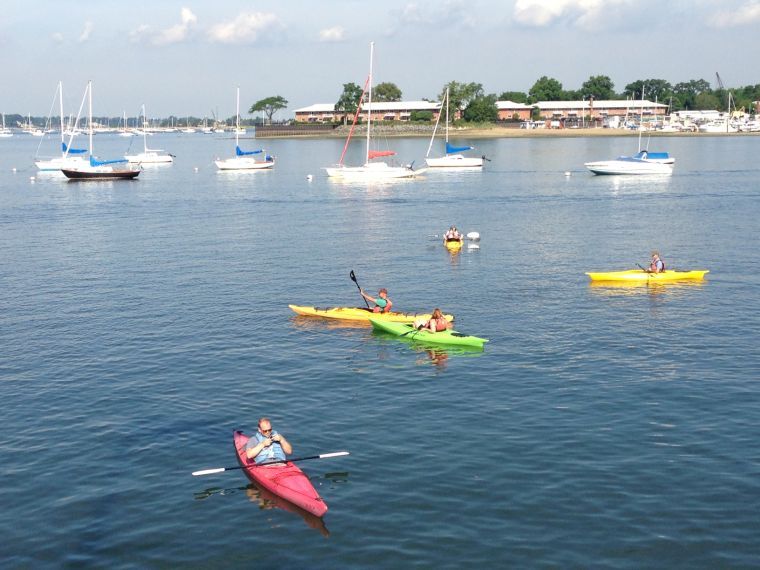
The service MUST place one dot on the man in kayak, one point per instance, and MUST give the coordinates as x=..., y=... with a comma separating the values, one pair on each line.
x=656, y=265
x=382, y=304
x=453, y=235
x=267, y=445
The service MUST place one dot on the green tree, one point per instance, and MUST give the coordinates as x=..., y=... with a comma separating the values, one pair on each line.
x=658, y=89
x=421, y=116
x=349, y=100
x=685, y=93
x=461, y=94
x=514, y=96
x=481, y=110
x=270, y=106
x=707, y=101
x=386, y=92
x=546, y=89
x=598, y=87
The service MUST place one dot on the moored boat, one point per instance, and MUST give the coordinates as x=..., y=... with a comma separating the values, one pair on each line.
x=360, y=314
x=285, y=480
x=640, y=275
x=451, y=337
x=643, y=162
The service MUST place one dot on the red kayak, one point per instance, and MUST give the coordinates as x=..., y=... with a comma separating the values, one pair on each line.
x=284, y=480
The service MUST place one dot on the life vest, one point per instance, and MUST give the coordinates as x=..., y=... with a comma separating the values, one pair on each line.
x=654, y=265
x=272, y=453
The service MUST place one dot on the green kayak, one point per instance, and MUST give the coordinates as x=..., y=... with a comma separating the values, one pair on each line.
x=425, y=336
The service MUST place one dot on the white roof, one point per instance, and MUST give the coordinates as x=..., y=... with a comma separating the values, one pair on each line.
x=393, y=106
x=506, y=105
x=317, y=108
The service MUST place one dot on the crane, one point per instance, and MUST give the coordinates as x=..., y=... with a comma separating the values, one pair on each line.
x=722, y=88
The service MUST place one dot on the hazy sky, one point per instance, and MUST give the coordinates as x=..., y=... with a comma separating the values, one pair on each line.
x=186, y=57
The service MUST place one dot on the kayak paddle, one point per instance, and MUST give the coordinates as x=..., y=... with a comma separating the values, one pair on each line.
x=644, y=269
x=223, y=469
x=353, y=278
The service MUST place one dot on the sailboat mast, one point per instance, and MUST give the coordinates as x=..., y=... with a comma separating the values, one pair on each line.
x=447, y=118
x=60, y=97
x=145, y=134
x=369, y=106
x=89, y=91
x=237, y=119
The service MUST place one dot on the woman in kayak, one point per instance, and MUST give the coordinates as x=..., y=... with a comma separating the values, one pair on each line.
x=453, y=235
x=382, y=304
x=266, y=445
x=656, y=265
x=437, y=322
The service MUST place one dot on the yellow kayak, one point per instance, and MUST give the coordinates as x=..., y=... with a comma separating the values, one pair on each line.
x=360, y=314
x=453, y=245
x=639, y=275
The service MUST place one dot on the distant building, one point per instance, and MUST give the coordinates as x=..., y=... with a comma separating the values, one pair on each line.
x=593, y=110
x=508, y=111
x=386, y=111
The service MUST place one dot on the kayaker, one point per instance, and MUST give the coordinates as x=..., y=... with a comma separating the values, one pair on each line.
x=437, y=322
x=453, y=235
x=267, y=445
x=657, y=265
x=382, y=303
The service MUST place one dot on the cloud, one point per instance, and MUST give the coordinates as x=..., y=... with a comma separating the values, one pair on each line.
x=57, y=37
x=334, y=34
x=581, y=13
x=178, y=32
x=246, y=28
x=748, y=13
x=450, y=13
x=85, y=35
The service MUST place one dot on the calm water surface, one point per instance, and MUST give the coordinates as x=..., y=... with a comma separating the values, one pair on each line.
x=140, y=323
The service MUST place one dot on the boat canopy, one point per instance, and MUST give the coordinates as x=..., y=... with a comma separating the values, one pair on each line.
x=379, y=153
x=68, y=150
x=95, y=162
x=450, y=149
x=240, y=152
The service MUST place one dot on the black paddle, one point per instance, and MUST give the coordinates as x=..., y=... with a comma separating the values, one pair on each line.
x=643, y=269
x=223, y=469
x=353, y=278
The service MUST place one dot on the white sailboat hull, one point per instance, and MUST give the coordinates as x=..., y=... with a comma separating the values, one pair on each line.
x=150, y=157
x=629, y=165
x=370, y=171
x=455, y=161
x=243, y=163
x=58, y=163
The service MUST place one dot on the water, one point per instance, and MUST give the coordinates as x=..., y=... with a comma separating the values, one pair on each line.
x=142, y=322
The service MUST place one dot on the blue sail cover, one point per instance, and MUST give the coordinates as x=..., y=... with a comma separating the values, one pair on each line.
x=452, y=149
x=241, y=152
x=72, y=150
x=96, y=162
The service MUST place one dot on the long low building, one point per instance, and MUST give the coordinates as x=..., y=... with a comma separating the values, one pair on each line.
x=506, y=110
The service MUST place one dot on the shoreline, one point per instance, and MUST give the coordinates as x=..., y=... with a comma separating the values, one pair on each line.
x=492, y=133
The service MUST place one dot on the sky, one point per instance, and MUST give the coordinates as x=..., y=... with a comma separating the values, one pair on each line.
x=186, y=57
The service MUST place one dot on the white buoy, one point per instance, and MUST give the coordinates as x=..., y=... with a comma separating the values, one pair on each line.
x=14, y=169
x=309, y=177
x=196, y=169
x=31, y=178
x=473, y=246
x=474, y=236
x=567, y=173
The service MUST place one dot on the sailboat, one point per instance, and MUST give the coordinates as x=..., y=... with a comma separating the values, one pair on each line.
x=641, y=163
x=98, y=169
x=5, y=132
x=369, y=170
x=149, y=155
x=243, y=159
x=70, y=157
x=452, y=158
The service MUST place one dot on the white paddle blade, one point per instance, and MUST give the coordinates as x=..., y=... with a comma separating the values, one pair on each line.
x=336, y=454
x=209, y=471
x=474, y=236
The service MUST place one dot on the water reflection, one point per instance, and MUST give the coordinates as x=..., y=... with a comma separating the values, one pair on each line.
x=428, y=353
x=319, y=323
x=622, y=288
x=267, y=501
